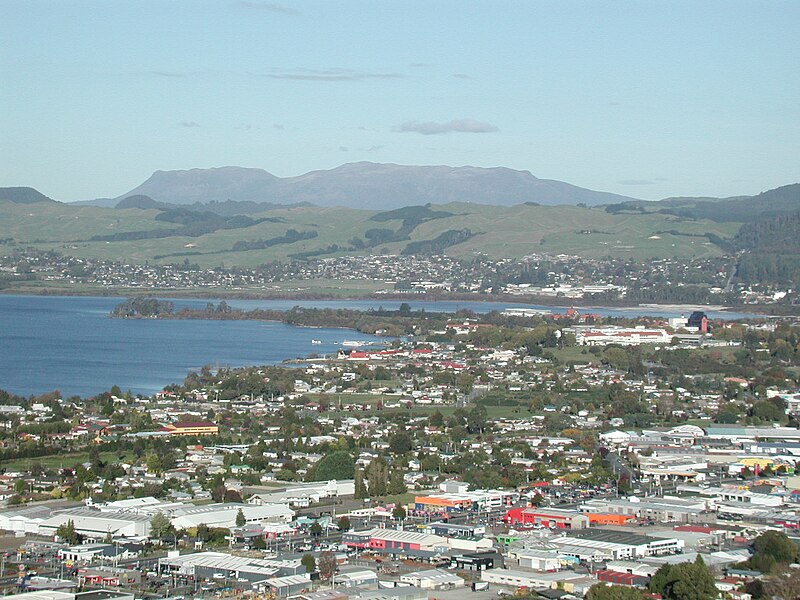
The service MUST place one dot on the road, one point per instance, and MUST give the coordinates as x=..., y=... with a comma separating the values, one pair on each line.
x=620, y=466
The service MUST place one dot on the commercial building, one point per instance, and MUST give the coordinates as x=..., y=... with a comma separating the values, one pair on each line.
x=206, y=565
x=433, y=579
x=463, y=500
x=224, y=515
x=617, y=545
x=411, y=543
x=547, y=517
x=664, y=510
x=568, y=581
x=96, y=525
x=603, y=336
x=539, y=560
x=196, y=428
x=61, y=595
x=109, y=576
x=291, y=585
x=477, y=561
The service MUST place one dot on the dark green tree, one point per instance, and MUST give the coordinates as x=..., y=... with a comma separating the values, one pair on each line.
x=309, y=563
x=377, y=474
x=684, y=581
x=361, y=487
x=602, y=591
x=400, y=443
x=240, y=519
x=336, y=465
x=160, y=526
x=68, y=533
x=396, y=483
x=772, y=551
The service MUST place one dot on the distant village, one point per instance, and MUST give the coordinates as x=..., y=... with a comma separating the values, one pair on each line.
x=561, y=277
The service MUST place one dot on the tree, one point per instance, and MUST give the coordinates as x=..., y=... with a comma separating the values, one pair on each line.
x=67, y=532
x=377, y=473
x=361, y=488
x=337, y=465
x=400, y=443
x=684, y=581
x=203, y=532
x=343, y=524
x=327, y=564
x=613, y=592
x=697, y=583
x=315, y=529
x=785, y=586
x=436, y=419
x=465, y=383
x=160, y=526
x=399, y=513
x=755, y=588
x=397, y=484
x=155, y=464
x=309, y=563
x=476, y=419
x=240, y=520
x=776, y=545
x=232, y=496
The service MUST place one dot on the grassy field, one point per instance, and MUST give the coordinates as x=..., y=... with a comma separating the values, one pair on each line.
x=574, y=354
x=65, y=461
x=501, y=232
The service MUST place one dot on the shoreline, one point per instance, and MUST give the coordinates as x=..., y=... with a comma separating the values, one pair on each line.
x=758, y=310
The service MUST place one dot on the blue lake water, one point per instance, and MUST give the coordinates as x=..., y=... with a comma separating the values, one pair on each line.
x=70, y=343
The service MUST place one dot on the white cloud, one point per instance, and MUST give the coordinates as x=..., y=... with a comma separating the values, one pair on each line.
x=457, y=125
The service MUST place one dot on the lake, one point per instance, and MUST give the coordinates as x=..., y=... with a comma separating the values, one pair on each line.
x=69, y=343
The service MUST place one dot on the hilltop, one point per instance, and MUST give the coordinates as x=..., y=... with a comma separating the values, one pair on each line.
x=23, y=195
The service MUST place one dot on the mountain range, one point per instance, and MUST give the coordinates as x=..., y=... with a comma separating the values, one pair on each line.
x=373, y=186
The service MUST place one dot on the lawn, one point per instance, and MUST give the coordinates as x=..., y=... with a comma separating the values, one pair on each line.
x=65, y=461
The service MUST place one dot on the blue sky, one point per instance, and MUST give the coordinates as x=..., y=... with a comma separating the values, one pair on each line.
x=648, y=99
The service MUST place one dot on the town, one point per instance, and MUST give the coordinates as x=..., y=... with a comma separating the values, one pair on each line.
x=535, y=455
x=546, y=278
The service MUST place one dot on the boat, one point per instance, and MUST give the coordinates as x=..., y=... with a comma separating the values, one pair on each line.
x=352, y=343
x=315, y=342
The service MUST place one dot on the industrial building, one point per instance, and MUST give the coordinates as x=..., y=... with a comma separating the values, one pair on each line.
x=547, y=517
x=224, y=515
x=617, y=545
x=205, y=565
x=96, y=525
x=433, y=579
x=411, y=543
x=665, y=510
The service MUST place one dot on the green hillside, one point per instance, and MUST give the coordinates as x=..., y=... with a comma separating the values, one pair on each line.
x=458, y=229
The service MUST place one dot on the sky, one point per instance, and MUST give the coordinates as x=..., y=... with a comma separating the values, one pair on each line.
x=648, y=99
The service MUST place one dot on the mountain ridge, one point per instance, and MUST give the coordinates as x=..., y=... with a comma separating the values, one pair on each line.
x=375, y=186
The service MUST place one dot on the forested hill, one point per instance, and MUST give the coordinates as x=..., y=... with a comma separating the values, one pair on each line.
x=741, y=209
x=779, y=234
x=772, y=250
